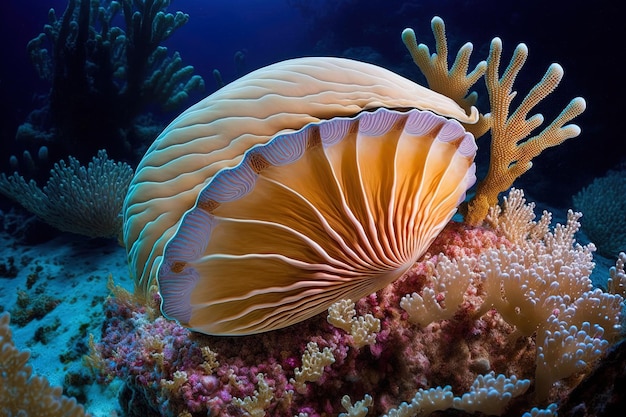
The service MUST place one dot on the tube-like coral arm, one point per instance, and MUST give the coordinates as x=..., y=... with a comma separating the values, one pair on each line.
x=511, y=147
x=454, y=82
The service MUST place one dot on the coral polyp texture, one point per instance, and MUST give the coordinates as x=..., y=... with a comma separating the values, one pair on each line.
x=490, y=314
x=513, y=144
x=604, y=222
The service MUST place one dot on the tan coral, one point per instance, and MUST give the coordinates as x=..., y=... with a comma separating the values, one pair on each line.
x=358, y=409
x=512, y=146
x=363, y=329
x=260, y=400
x=313, y=363
x=451, y=280
x=21, y=393
x=515, y=219
x=565, y=349
x=454, y=82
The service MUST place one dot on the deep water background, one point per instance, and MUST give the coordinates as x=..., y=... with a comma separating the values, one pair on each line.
x=585, y=37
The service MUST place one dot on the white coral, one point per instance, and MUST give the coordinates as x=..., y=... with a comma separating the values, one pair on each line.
x=313, y=363
x=449, y=284
x=515, y=219
x=359, y=409
x=363, y=329
x=617, y=276
x=490, y=394
x=259, y=401
x=564, y=349
x=549, y=411
x=425, y=402
x=341, y=314
x=542, y=285
x=527, y=283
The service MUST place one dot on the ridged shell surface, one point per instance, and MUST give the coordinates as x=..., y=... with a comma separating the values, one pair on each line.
x=214, y=135
x=338, y=209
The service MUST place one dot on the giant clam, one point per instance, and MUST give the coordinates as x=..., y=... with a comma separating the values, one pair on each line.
x=304, y=182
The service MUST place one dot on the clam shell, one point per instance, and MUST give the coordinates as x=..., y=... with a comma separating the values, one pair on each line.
x=336, y=210
x=263, y=123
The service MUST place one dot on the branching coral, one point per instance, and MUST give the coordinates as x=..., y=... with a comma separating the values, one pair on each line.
x=564, y=350
x=515, y=219
x=542, y=287
x=363, y=329
x=21, y=393
x=454, y=82
x=617, y=276
x=257, y=403
x=359, y=409
x=490, y=394
x=313, y=363
x=512, y=146
x=449, y=284
x=425, y=402
x=104, y=75
x=77, y=199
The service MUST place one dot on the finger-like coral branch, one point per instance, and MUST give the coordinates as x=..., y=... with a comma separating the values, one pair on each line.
x=454, y=82
x=512, y=150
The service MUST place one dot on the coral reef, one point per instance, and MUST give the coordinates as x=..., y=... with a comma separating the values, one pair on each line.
x=520, y=330
x=105, y=76
x=77, y=199
x=21, y=393
x=604, y=222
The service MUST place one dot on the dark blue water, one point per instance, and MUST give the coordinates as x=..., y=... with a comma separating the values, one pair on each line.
x=586, y=38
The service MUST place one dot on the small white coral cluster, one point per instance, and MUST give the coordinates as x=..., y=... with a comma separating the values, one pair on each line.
x=540, y=285
x=259, y=401
x=313, y=363
x=489, y=394
x=358, y=409
x=363, y=329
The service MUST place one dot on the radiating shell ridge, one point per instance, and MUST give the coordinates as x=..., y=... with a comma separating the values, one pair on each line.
x=195, y=170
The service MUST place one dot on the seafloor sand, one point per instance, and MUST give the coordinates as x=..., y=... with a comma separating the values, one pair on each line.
x=75, y=271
